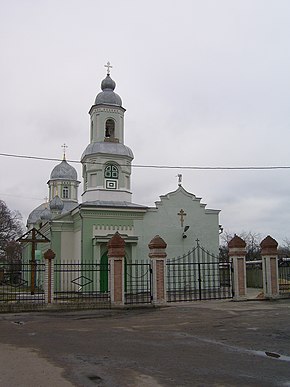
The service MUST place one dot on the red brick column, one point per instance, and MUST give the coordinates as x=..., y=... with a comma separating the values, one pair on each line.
x=116, y=255
x=158, y=255
x=270, y=267
x=49, y=256
x=238, y=254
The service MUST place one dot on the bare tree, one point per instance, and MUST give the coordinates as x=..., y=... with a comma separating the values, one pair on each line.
x=11, y=227
x=252, y=239
x=284, y=250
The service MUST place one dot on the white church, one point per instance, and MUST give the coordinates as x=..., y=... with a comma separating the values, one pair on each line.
x=80, y=231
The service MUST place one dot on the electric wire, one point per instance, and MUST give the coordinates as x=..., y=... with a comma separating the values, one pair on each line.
x=184, y=167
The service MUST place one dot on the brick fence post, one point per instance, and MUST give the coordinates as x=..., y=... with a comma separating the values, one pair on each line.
x=270, y=267
x=49, y=256
x=237, y=252
x=158, y=255
x=116, y=255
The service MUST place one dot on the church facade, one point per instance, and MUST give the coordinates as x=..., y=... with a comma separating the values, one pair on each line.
x=81, y=231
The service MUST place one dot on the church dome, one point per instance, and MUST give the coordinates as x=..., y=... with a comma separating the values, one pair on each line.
x=111, y=148
x=34, y=216
x=64, y=171
x=107, y=96
x=45, y=215
x=56, y=204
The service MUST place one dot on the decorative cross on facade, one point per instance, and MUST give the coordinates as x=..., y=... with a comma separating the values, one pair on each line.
x=182, y=214
x=179, y=179
x=108, y=65
x=64, y=147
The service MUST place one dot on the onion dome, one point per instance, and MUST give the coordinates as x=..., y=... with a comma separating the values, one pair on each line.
x=34, y=216
x=56, y=204
x=64, y=171
x=45, y=215
x=107, y=96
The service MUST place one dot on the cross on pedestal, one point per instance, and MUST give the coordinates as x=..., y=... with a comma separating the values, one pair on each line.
x=182, y=214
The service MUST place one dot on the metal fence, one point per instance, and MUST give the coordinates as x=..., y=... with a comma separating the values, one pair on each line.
x=284, y=277
x=138, y=282
x=21, y=283
x=82, y=284
x=254, y=274
x=198, y=275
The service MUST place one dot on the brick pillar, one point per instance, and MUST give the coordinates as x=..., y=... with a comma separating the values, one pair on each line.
x=49, y=256
x=116, y=255
x=270, y=267
x=238, y=254
x=158, y=255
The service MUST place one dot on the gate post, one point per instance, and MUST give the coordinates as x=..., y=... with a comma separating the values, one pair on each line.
x=116, y=255
x=238, y=254
x=270, y=267
x=49, y=256
x=157, y=256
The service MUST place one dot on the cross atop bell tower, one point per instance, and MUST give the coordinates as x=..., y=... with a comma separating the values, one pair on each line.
x=107, y=160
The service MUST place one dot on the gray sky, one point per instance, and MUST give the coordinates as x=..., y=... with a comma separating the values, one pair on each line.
x=205, y=83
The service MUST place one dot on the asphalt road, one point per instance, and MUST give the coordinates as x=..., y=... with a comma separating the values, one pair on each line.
x=210, y=343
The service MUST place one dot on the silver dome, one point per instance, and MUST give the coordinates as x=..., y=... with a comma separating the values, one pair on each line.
x=45, y=215
x=56, y=204
x=34, y=216
x=107, y=96
x=111, y=148
x=63, y=171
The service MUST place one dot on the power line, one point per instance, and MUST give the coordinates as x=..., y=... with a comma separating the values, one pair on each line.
x=214, y=168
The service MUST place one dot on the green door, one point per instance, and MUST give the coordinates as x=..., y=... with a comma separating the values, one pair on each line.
x=104, y=274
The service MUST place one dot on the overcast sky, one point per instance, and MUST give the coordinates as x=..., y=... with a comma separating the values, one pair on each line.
x=204, y=83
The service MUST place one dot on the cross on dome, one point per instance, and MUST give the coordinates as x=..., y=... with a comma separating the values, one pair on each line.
x=108, y=65
x=64, y=147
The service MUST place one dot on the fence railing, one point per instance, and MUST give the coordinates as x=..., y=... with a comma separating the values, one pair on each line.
x=21, y=283
x=138, y=282
x=198, y=275
x=81, y=283
x=284, y=277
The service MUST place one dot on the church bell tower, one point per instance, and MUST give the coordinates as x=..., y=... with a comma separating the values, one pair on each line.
x=106, y=160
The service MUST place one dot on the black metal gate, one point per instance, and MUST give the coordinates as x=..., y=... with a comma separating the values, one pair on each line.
x=138, y=282
x=198, y=275
x=284, y=276
x=81, y=284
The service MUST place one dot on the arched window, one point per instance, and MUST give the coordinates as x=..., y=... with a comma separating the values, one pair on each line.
x=65, y=192
x=110, y=128
x=111, y=172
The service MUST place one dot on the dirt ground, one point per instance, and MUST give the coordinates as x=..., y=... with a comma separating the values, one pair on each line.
x=209, y=343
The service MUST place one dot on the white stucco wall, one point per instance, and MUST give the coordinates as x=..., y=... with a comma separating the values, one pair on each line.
x=165, y=221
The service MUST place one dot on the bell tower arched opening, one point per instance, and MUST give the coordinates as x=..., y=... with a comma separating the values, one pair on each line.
x=110, y=129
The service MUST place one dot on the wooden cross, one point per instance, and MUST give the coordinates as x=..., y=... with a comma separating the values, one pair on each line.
x=182, y=214
x=64, y=147
x=33, y=236
x=108, y=65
